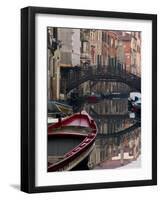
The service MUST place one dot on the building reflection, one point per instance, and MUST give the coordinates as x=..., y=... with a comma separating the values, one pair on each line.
x=112, y=117
x=119, y=149
x=103, y=87
x=111, y=149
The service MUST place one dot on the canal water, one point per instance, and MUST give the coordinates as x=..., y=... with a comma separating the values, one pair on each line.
x=116, y=144
x=118, y=141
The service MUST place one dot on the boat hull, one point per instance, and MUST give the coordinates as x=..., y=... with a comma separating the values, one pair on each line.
x=71, y=156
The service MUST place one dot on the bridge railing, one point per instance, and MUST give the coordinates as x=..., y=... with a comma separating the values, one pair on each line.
x=126, y=132
x=98, y=70
x=76, y=76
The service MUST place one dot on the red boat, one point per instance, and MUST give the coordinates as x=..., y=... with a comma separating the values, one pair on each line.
x=70, y=141
x=93, y=98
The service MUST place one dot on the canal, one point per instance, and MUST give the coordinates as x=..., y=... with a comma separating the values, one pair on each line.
x=118, y=141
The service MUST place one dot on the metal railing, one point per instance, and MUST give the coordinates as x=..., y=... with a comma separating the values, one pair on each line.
x=75, y=77
x=125, y=132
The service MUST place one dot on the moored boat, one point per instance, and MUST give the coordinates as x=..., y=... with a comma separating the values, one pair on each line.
x=70, y=141
x=134, y=103
x=58, y=107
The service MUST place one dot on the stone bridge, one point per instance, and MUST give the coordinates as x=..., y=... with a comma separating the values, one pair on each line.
x=74, y=76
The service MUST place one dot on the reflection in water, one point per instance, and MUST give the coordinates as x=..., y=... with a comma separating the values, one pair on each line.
x=114, y=152
x=112, y=117
x=118, y=140
x=104, y=87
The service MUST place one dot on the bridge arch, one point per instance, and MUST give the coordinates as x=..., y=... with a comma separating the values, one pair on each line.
x=77, y=76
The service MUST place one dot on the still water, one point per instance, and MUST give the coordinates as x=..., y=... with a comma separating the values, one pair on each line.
x=117, y=144
x=112, y=149
x=118, y=141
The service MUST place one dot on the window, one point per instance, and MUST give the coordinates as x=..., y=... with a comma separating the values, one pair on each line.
x=111, y=42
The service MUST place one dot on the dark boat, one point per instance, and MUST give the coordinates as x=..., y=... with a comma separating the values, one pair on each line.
x=134, y=103
x=58, y=107
x=70, y=141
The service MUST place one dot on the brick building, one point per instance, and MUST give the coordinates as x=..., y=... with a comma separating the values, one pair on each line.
x=125, y=40
x=105, y=46
x=63, y=51
x=112, y=48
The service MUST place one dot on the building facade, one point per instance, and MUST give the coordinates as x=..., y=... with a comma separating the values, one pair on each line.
x=76, y=48
x=125, y=40
x=105, y=48
x=112, y=50
x=70, y=49
x=63, y=51
x=53, y=64
x=85, y=57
